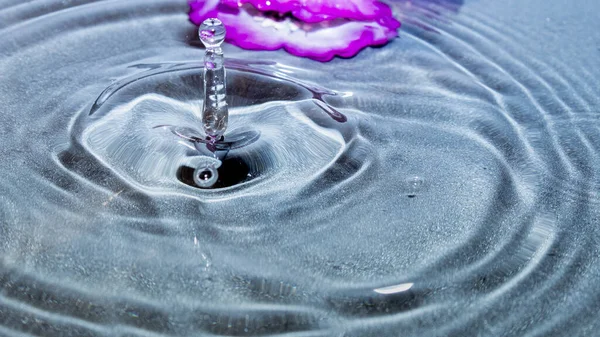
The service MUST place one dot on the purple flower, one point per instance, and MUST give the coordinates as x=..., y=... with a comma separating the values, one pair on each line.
x=319, y=10
x=318, y=29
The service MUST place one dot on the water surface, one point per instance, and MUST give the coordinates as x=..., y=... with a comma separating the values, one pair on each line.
x=443, y=185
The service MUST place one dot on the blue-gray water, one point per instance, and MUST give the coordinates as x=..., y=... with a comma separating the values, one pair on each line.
x=447, y=184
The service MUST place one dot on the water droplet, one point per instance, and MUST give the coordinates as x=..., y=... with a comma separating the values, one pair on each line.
x=212, y=33
x=413, y=186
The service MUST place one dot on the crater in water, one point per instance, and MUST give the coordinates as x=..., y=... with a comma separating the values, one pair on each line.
x=147, y=128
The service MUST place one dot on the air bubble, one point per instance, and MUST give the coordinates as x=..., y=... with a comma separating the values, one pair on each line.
x=413, y=186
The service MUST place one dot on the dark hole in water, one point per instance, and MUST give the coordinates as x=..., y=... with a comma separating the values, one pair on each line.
x=232, y=171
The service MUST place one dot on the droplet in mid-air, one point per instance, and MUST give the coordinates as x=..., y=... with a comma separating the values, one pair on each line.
x=212, y=33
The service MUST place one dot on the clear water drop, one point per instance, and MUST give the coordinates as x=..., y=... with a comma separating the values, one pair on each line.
x=212, y=33
x=413, y=186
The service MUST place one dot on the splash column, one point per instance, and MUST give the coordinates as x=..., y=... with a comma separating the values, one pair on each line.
x=215, y=113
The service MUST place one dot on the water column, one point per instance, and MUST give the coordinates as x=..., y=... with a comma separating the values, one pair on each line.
x=214, y=111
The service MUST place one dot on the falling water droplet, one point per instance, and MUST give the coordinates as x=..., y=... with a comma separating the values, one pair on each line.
x=212, y=33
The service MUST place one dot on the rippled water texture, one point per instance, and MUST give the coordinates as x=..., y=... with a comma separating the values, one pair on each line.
x=446, y=184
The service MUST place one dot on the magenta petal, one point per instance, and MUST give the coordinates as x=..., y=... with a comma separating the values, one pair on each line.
x=201, y=10
x=320, y=10
x=249, y=29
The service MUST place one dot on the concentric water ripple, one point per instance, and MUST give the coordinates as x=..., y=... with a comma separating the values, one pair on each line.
x=446, y=184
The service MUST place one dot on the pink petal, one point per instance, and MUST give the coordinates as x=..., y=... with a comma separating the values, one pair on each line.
x=320, y=10
x=251, y=29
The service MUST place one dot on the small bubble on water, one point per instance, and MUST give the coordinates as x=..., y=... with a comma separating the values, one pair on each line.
x=413, y=186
